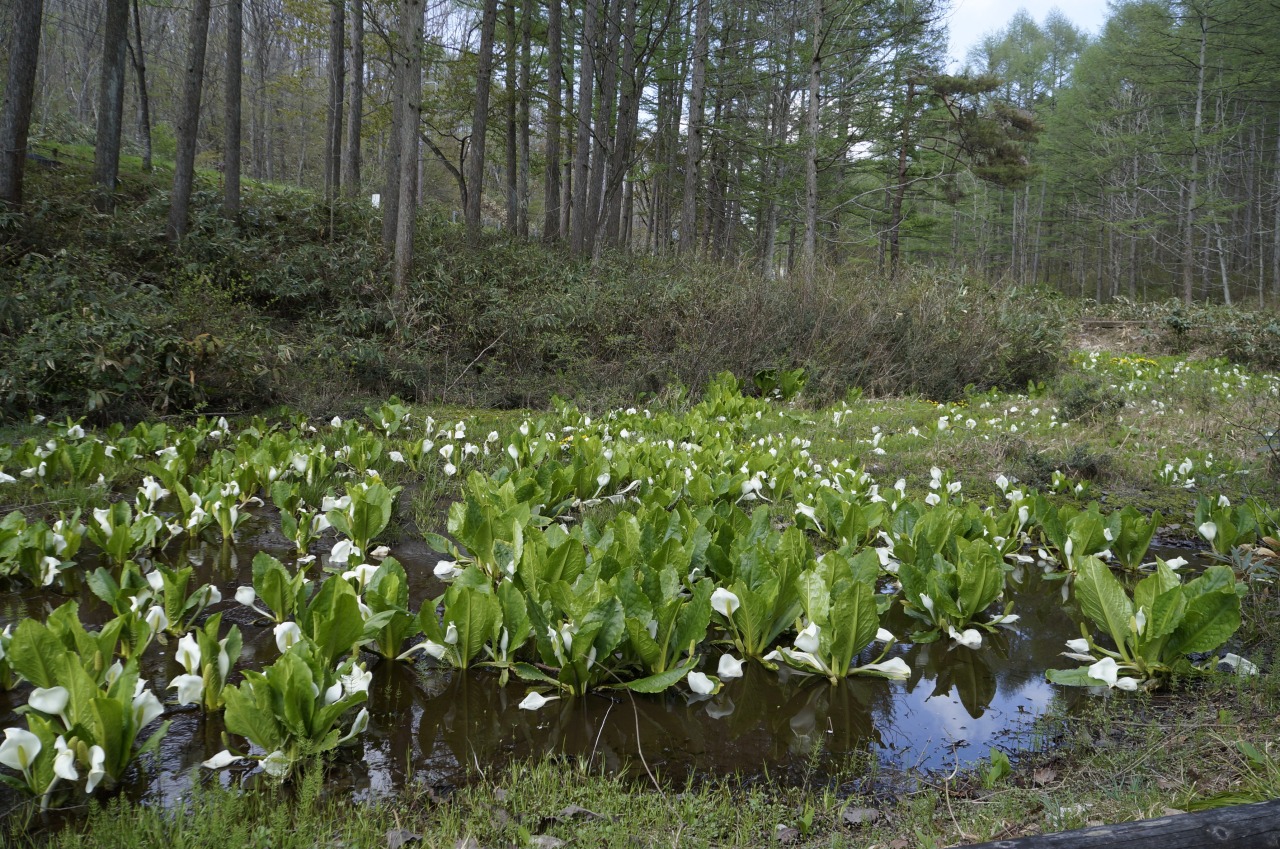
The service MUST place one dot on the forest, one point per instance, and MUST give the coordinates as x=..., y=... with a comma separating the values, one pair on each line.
x=776, y=135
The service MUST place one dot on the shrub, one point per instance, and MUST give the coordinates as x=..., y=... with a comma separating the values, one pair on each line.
x=1085, y=396
x=292, y=302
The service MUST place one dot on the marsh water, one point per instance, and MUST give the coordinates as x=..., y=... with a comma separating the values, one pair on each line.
x=444, y=728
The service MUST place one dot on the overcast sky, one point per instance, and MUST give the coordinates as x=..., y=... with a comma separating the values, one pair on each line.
x=972, y=19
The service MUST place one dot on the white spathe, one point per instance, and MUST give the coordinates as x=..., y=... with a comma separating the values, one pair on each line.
x=702, y=684
x=729, y=667
x=724, y=602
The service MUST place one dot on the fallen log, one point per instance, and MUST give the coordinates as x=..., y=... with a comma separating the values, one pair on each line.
x=1255, y=826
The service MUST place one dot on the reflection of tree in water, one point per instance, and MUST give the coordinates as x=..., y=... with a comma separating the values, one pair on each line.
x=764, y=719
x=970, y=674
x=952, y=667
x=445, y=726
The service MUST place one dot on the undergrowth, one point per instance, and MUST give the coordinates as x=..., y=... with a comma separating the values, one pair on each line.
x=291, y=304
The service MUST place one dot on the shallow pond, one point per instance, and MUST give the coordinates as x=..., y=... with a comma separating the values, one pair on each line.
x=443, y=728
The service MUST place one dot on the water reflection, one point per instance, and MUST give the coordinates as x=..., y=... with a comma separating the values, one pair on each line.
x=446, y=728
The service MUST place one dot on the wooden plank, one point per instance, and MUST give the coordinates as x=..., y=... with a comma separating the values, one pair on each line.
x=1255, y=826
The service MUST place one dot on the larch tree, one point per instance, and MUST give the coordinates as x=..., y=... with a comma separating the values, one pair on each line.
x=551, y=192
x=188, y=122
x=106, y=154
x=411, y=36
x=480, y=119
x=19, y=90
x=351, y=160
x=337, y=90
x=232, y=111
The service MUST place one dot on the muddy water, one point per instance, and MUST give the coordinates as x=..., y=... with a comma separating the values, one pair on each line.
x=445, y=728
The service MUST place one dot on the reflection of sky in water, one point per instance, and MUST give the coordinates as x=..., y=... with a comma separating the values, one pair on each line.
x=934, y=730
x=441, y=727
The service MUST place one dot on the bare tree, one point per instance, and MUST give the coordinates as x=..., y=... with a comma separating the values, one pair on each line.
x=106, y=154
x=693, y=149
x=406, y=218
x=355, y=103
x=809, y=257
x=333, y=113
x=480, y=118
x=551, y=202
x=188, y=122
x=526, y=61
x=578, y=222
x=138, y=58
x=15, y=116
x=231, y=128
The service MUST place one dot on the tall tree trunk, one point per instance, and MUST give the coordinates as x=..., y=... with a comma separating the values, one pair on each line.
x=106, y=154
x=355, y=104
x=406, y=219
x=693, y=150
x=1189, y=216
x=259, y=115
x=480, y=119
x=337, y=89
x=900, y=192
x=551, y=217
x=810, y=255
x=579, y=223
x=188, y=122
x=603, y=134
x=1275, y=222
x=513, y=167
x=781, y=125
x=138, y=58
x=570, y=136
x=628, y=118
x=19, y=90
x=231, y=147
x=391, y=182
x=1222, y=264
x=526, y=74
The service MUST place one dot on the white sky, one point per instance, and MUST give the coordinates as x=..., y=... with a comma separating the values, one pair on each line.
x=972, y=19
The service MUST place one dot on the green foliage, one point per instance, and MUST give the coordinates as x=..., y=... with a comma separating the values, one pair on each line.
x=784, y=384
x=997, y=770
x=1085, y=396
x=93, y=706
x=278, y=709
x=116, y=325
x=1154, y=629
x=37, y=552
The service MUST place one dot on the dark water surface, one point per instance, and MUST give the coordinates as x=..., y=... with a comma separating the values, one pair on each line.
x=445, y=728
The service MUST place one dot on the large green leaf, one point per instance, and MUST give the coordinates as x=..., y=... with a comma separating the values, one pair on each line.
x=980, y=576
x=1103, y=599
x=370, y=513
x=1209, y=621
x=274, y=585
x=815, y=595
x=36, y=654
x=645, y=647
x=332, y=621
x=474, y=611
x=661, y=681
x=853, y=623
x=1154, y=585
x=1165, y=614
